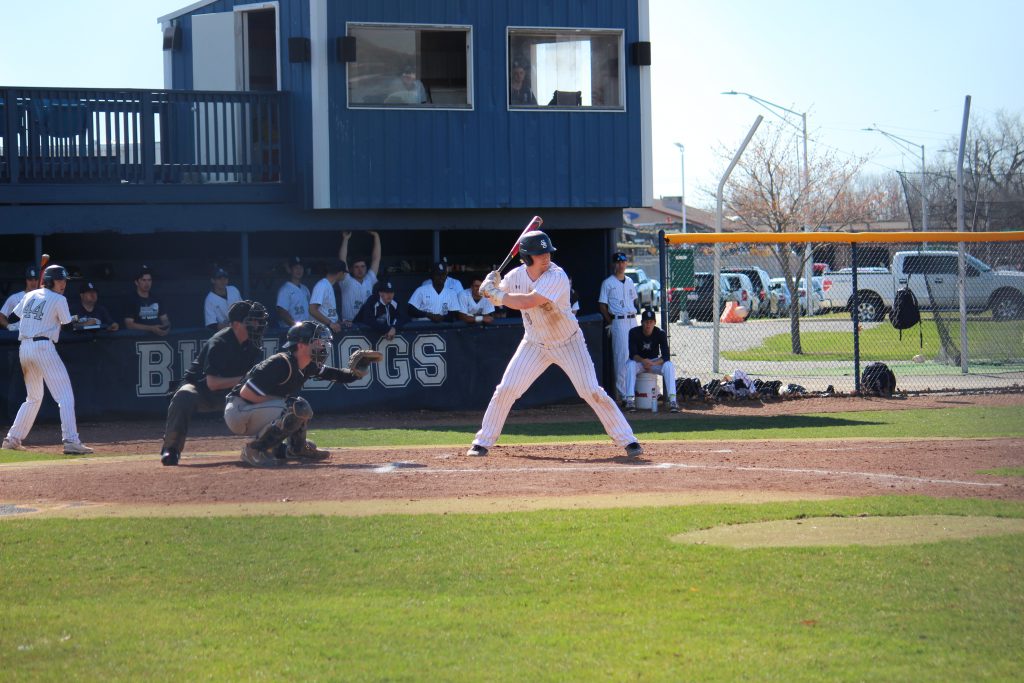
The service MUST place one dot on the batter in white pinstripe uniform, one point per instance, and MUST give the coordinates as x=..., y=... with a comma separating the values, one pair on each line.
x=540, y=289
x=42, y=312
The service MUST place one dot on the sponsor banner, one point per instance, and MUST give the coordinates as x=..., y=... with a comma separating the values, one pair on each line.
x=427, y=367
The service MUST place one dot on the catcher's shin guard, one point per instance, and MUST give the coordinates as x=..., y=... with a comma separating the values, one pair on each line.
x=269, y=438
x=300, y=448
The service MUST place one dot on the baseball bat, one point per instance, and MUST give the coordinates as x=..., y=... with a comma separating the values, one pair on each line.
x=43, y=262
x=534, y=224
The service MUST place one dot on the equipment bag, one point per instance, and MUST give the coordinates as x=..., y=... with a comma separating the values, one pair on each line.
x=878, y=380
x=905, y=313
x=688, y=388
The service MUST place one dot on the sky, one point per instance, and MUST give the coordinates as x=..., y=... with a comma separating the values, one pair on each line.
x=904, y=66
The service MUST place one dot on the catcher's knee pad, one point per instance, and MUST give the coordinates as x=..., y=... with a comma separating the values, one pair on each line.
x=295, y=415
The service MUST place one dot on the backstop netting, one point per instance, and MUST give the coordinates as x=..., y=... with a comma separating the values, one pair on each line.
x=814, y=309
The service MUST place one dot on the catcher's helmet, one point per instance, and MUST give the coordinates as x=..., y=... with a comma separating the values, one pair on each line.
x=54, y=273
x=313, y=333
x=533, y=243
x=253, y=315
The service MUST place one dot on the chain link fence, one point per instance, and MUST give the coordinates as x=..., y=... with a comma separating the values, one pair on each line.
x=761, y=316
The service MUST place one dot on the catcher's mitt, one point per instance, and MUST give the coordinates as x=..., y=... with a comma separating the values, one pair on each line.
x=359, y=361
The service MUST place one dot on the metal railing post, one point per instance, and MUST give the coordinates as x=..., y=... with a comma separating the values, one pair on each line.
x=856, y=320
x=12, y=136
x=663, y=267
x=147, y=146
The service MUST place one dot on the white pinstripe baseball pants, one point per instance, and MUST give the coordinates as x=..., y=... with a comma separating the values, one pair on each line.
x=620, y=352
x=40, y=363
x=527, y=364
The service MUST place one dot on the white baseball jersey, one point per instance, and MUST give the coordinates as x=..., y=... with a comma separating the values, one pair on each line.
x=215, y=308
x=450, y=283
x=472, y=307
x=42, y=312
x=294, y=299
x=429, y=301
x=552, y=322
x=11, y=302
x=620, y=297
x=354, y=294
x=552, y=335
x=323, y=295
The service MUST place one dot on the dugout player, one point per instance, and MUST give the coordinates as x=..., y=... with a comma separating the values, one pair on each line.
x=323, y=304
x=221, y=363
x=7, y=310
x=648, y=352
x=218, y=300
x=435, y=301
x=42, y=312
x=617, y=303
x=358, y=287
x=382, y=313
x=293, y=296
x=540, y=289
x=145, y=313
x=266, y=404
x=90, y=313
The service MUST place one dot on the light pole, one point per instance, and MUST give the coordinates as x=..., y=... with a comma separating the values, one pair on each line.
x=905, y=144
x=775, y=109
x=682, y=175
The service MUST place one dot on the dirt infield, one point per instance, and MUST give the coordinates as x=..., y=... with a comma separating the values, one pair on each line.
x=211, y=479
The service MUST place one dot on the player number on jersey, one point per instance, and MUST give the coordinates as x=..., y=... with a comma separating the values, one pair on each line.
x=34, y=310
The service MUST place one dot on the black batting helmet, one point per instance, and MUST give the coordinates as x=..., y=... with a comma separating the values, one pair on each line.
x=54, y=273
x=533, y=243
x=313, y=333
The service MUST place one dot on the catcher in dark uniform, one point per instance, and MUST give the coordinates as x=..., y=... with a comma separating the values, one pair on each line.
x=221, y=363
x=266, y=404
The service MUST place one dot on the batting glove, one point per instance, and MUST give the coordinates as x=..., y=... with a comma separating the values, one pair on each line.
x=494, y=277
x=491, y=291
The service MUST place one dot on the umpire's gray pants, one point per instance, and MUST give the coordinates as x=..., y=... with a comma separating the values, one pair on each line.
x=249, y=419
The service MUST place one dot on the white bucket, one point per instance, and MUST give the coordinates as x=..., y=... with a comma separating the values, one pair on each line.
x=646, y=389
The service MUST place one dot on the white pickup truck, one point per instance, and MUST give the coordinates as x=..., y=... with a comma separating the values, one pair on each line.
x=1002, y=292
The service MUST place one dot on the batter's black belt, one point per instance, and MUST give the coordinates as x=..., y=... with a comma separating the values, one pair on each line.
x=40, y=339
x=622, y=317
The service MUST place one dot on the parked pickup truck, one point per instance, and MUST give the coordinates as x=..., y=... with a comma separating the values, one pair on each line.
x=1002, y=292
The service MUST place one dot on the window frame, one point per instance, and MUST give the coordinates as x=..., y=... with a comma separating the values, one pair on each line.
x=470, y=99
x=554, y=30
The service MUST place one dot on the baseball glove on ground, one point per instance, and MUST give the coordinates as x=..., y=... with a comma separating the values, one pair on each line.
x=359, y=362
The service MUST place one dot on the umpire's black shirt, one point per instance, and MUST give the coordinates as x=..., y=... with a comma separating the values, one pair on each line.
x=223, y=356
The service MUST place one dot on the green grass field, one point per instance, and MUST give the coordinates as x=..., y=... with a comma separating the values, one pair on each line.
x=990, y=342
x=575, y=595
x=550, y=595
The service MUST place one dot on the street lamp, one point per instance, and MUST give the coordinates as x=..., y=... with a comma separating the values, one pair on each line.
x=803, y=119
x=905, y=144
x=682, y=175
x=775, y=109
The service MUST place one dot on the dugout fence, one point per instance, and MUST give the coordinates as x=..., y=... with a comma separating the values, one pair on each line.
x=741, y=301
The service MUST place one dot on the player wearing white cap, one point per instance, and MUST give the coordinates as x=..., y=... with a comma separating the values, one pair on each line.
x=42, y=312
x=540, y=289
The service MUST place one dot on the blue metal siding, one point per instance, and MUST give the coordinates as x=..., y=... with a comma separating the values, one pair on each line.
x=488, y=157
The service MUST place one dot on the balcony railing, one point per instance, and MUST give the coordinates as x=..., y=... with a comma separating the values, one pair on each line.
x=141, y=136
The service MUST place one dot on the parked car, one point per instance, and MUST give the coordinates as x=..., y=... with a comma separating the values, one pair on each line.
x=760, y=279
x=699, y=299
x=932, y=277
x=819, y=300
x=748, y=297
x=779, y=298
x=648, y=290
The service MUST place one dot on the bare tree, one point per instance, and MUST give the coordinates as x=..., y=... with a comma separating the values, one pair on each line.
x=768, y=192
x=883, y=196
x=993, y=177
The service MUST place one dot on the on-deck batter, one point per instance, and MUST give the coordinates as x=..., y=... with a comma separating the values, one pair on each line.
x=540, y=289
x=42, y=312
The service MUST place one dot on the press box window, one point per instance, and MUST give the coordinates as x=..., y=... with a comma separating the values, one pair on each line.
x=409, y=66
x=565, y=68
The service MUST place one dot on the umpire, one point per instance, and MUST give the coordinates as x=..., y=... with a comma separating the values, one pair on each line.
x=221, y=363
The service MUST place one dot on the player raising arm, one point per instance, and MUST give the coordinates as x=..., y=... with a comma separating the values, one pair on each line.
x=540, y=289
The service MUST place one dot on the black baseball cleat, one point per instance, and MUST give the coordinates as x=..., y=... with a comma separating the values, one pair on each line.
x=169, y=457
x=476, y=450
x=634, y=450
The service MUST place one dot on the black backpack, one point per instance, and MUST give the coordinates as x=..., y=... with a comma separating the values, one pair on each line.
x=878, y=380
x=769, y=389
x=689, y=388
x=905, y=313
